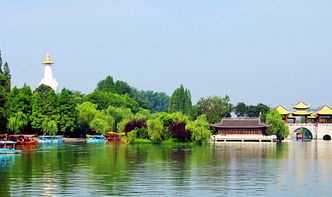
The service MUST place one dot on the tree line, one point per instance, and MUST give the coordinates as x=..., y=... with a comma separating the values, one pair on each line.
x=118, y=107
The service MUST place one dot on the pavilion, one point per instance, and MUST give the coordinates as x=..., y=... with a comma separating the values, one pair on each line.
x=302, y=113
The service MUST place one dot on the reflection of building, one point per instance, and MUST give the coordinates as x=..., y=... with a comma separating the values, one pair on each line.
x=244, y=129
x=318, y=122
x=48, y=75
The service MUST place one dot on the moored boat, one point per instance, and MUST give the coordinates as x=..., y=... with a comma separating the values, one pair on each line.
x=114, y=137
x=50, y=139
x=8, y=147
x=95, y=139
x=23, y=139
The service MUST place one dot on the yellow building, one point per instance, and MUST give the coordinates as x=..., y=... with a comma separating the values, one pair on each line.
x=302, y=113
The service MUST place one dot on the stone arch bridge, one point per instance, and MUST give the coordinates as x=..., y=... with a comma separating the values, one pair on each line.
x=319, y=131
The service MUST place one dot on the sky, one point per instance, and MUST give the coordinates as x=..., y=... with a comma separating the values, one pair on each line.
x=274, y=52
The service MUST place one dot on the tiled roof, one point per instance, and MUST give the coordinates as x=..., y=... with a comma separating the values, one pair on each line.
x=240, y=123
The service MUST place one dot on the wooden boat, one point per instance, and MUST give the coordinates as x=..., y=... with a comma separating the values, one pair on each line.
x=114, y=137
x=22, y=139
x=8, y=147
x=50, y=139
x=95, y=139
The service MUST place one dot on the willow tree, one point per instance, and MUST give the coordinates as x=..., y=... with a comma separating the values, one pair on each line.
x=17, y=122
x=200, y=130
x=278, y=126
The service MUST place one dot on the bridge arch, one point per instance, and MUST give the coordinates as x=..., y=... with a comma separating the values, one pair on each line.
x=327, y=137
x=302, y=133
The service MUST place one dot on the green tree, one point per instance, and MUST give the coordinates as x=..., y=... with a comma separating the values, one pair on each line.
x=180, y=101
x=155, y=130
x=122, y=88
x=45, y=109
x=105, y=99
x=37, y=114
x=106, y=85
x=50, y=127
x=240, y=109
x=214, y=108
x=86, y=113
x=5, y=78
x=102, y=122
x=19, y=100
x=119, y=114
x=66, y=107
x=17, y=122
x=278, y=126
x=200, y=130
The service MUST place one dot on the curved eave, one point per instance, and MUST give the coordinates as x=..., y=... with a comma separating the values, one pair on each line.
x=301, y=105
x=325, y=110
x=281, y=110
x=301, y=113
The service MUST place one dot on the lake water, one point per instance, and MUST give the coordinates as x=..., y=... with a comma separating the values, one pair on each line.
x=231, y=169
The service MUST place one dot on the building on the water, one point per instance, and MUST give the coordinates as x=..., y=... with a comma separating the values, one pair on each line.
x=241, y=129
x=306, y=123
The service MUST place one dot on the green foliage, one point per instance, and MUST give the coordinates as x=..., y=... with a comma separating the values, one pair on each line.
x=67, y=111
x=243, y=110
x=119, y=114
x=158, y=101
x=17, y=122
x=145, y=99
x=5, y=83
x=45, y=110
x=105, y=99
x=106, y=85
x=180, y=101
x=155, y=130
x=277, y=125
x=131, y=137
x=19, y=100
x=50, y=127
x=214, y=108
x=86, y=112
x=200, y=130
x=102, y=122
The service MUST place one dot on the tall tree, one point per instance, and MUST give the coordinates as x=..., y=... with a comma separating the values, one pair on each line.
x=66, y=107
x=180, y=101
x=106, y=85
x=214, y=108
x=45, y=110
x=7, y=77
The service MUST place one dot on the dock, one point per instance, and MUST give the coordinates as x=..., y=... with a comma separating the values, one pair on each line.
x=243, y=138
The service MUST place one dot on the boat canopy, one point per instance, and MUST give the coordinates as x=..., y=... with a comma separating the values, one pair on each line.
x=95, y=136
x=50, y=136
x=22, y=135
x=7, y=142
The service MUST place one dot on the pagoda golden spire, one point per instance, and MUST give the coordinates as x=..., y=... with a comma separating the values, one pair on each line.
x=47, y=59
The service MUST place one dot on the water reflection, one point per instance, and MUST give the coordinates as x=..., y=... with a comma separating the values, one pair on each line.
x=235, y=169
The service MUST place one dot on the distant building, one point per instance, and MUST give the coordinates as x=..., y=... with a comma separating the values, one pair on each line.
x=306, y=123
x=48, y=75
x=241, y=129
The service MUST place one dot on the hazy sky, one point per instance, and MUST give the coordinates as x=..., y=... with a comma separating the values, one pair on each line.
x=270, y=51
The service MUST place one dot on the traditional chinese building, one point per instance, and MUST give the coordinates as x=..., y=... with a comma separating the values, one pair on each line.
x=241, y=129
x=316, y=123
x=302, y=114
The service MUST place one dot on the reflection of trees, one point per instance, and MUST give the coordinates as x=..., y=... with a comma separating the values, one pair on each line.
x=6, y=161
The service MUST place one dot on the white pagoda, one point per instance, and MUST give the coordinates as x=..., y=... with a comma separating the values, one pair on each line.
x=48, y=76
